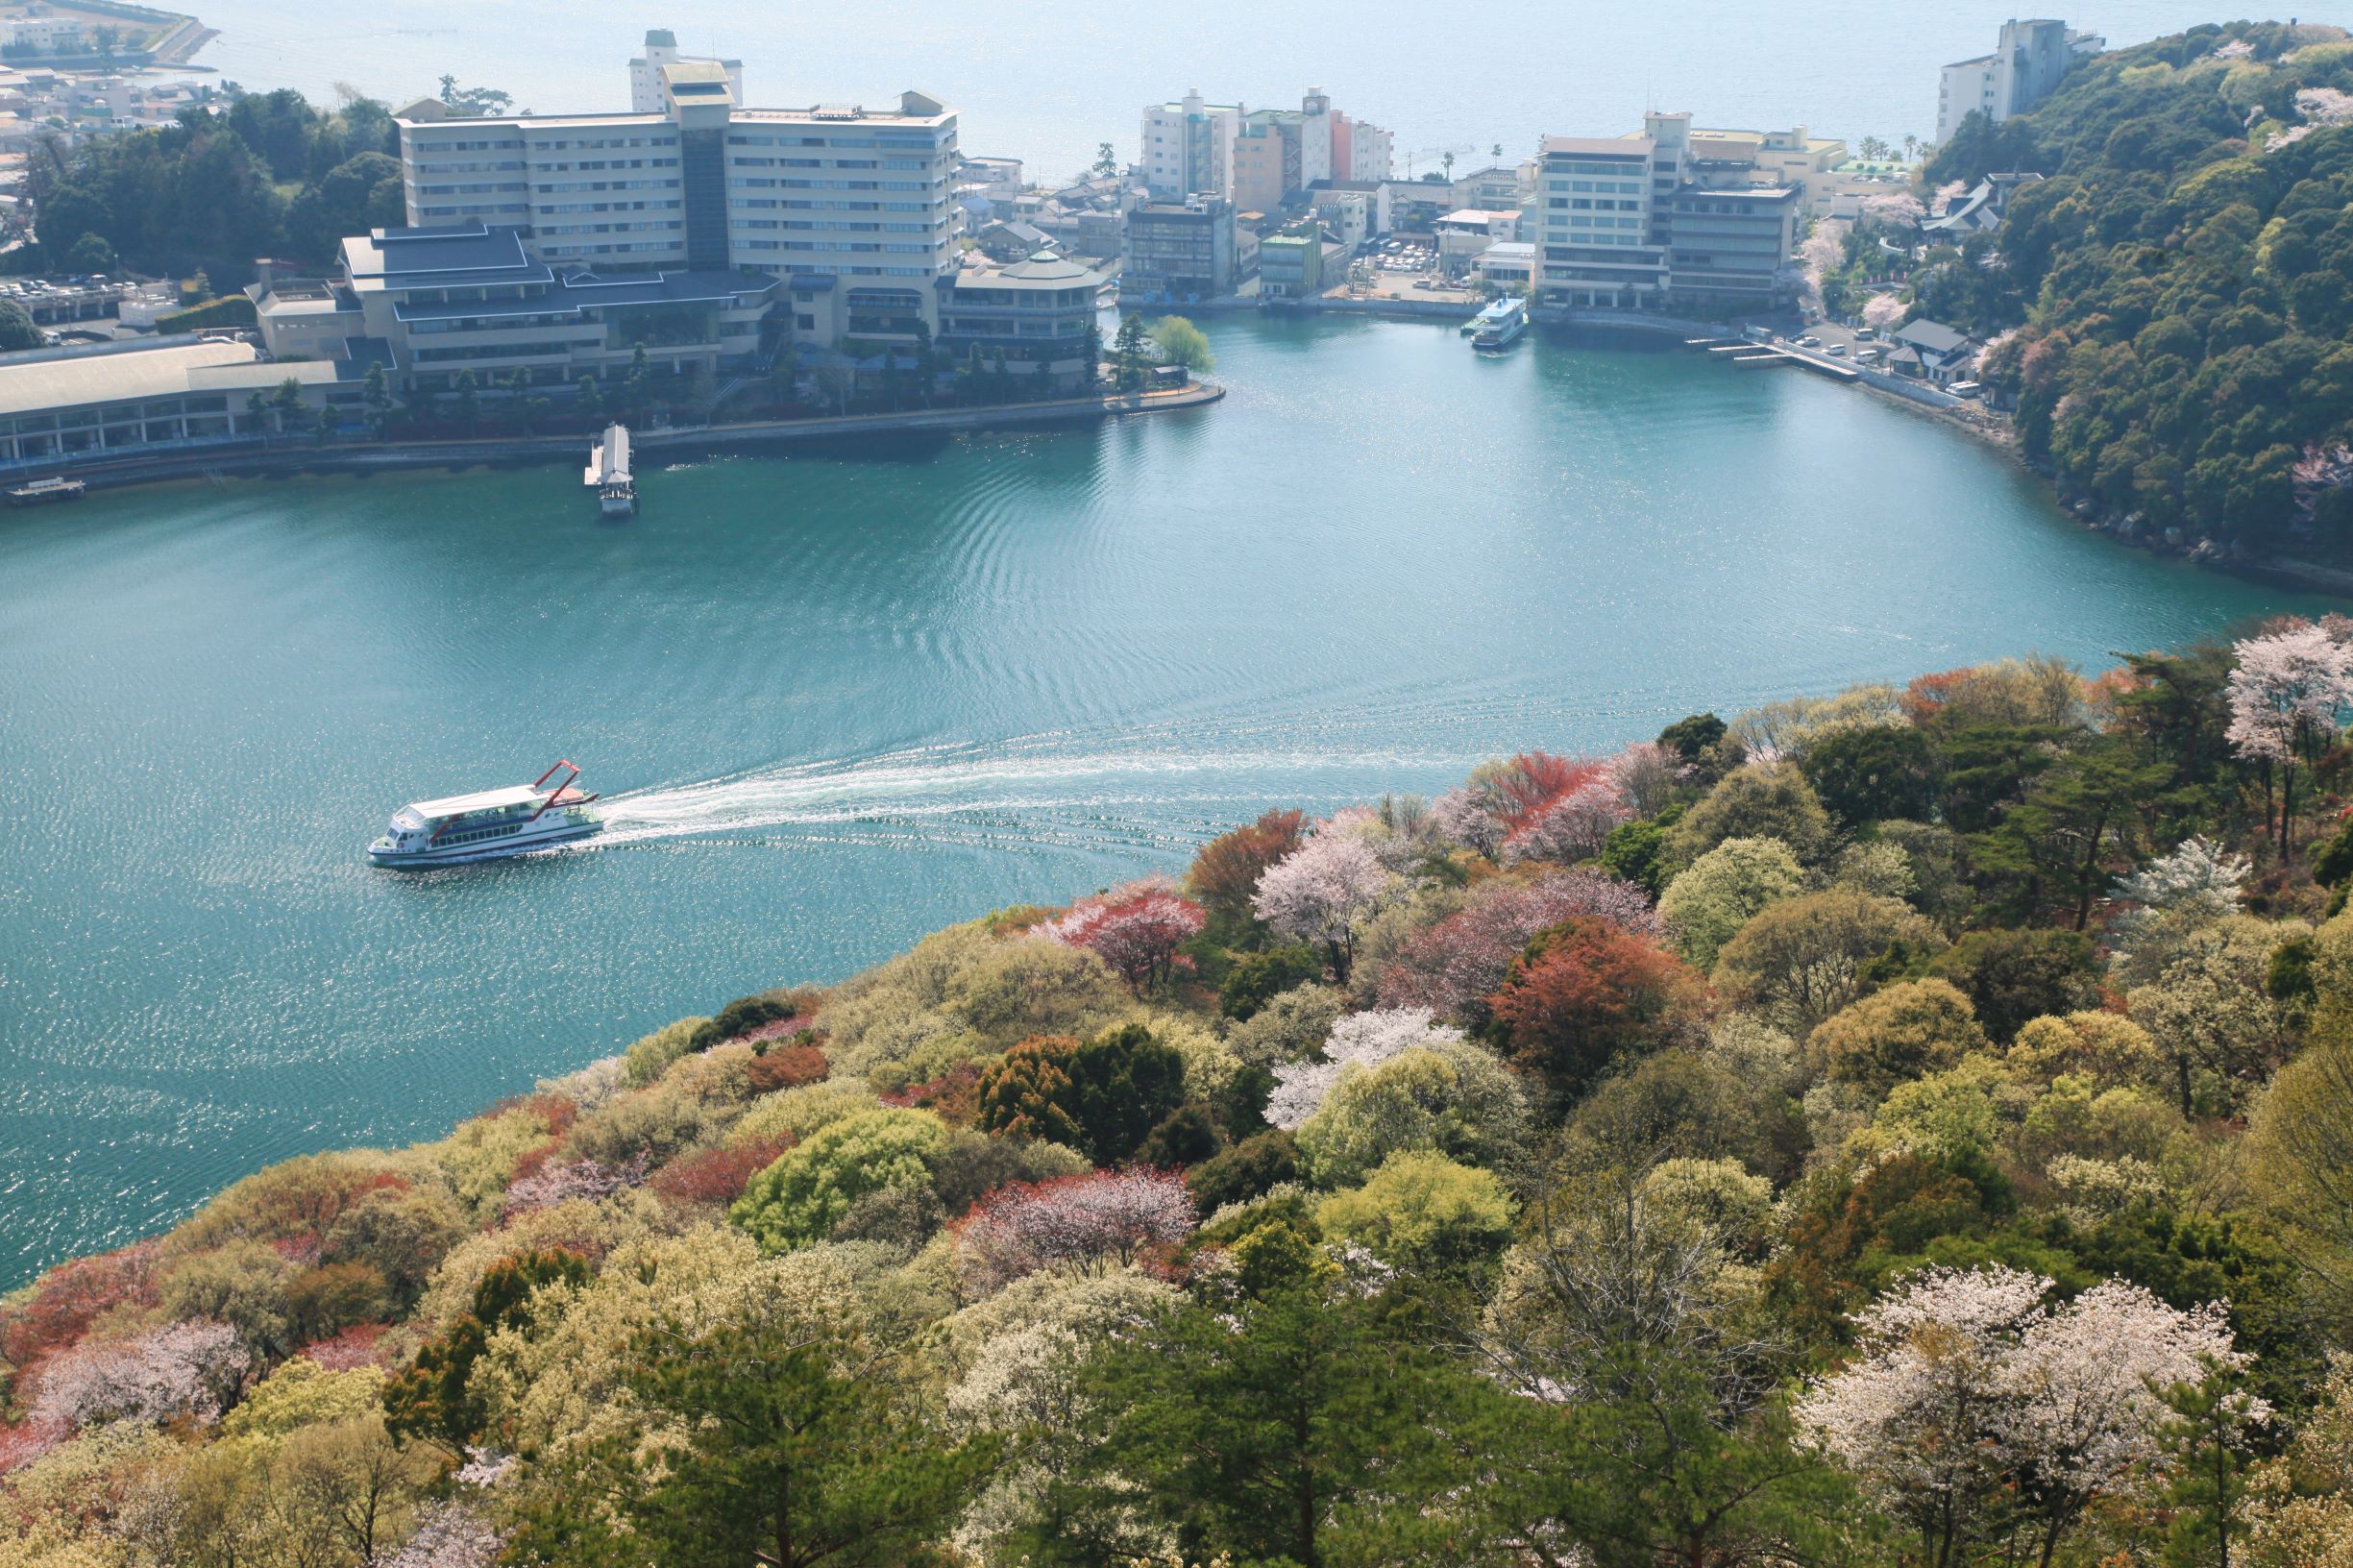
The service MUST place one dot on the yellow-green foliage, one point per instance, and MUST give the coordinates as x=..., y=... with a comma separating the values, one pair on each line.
x=1906, y=1030
x=2106, y=1047
x=294, y=1198
x=1422, y=1209
x=1716, y=1197
x=801, y=1197
x=1968, y=1105
x=478, y=1159
x=647, y=1060
x=1454, y=1097
x=1210, y=1062
x=589, y=1229
x=303, y=1393
x=960, y=995
x=798, y=1112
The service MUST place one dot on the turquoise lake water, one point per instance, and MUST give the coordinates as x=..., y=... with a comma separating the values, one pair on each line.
x=837, y=701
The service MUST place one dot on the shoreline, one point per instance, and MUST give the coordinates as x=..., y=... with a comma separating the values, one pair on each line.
x=250, y=459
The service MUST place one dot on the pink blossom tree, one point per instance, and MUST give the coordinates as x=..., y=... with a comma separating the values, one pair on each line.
x=1882, y=311
x=1969, y=1396
x=1646, y=773
x=1136, y=929
x=586, y=1180
x=449, y=1536
x=2287, y=693
x=1571, y=825
x=1323, y=891
x=1453, y=967
x=191, y=1368
x=1090, y=1225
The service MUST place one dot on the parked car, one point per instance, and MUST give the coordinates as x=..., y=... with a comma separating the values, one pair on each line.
x=1809, y=341
x=1835, y=348
x=1965, y=389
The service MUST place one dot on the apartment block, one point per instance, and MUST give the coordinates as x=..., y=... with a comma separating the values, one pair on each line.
x=851, y=207
x=1188, y=148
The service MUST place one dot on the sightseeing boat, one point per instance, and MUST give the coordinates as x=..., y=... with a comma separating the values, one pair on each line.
x=490, y=825
x=608, y=473
x=1499, y=325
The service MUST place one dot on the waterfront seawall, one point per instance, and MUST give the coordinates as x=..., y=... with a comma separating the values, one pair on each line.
x=293, y=456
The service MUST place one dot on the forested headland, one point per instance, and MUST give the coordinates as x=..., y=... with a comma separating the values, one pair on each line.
x=2170, y=307
x=1907, y=1127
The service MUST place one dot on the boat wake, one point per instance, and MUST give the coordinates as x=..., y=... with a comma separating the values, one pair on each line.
x=1115, y=792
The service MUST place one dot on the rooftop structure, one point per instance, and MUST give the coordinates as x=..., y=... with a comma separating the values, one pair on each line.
x=123, y=399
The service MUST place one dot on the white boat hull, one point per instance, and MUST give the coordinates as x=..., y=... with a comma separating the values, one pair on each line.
x=522, y=843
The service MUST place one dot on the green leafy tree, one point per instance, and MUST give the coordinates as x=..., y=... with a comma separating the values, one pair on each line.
x=1177, y=342
x=470, y=402
x=779, y=1445
x=798, y=1200
x=1871, y=772
x=375, y=392
x=1104, y=1095
x=16, y=329
x=1105, y=159
x=431, y=1398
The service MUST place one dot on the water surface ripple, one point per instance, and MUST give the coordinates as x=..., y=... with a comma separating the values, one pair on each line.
x=839, y=700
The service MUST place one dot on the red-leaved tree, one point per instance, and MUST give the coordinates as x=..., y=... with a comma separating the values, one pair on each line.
x=68, y=1298
x=1091, y=1224
x=1587, y=994
x=1136, y=929
x=718, y=1176
x=1226, y=871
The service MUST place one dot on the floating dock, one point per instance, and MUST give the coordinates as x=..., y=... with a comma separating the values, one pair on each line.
x=608, y=473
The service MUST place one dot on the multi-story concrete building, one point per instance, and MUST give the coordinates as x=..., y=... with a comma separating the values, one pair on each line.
x=853, y=206
x=1188, y=148
x=1267, y=167
x=1292, y=264
x=662, y=49
x=1635, y=222
x=1372, y=153
x=1179, y=251
x=434, y=304
x=1721, y=159
x=2028, y=61
x=1036, y=317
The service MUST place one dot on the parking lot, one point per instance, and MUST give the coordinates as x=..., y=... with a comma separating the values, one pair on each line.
x=1405, y=270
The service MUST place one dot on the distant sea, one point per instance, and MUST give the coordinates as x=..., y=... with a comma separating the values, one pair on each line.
x=1049, y=82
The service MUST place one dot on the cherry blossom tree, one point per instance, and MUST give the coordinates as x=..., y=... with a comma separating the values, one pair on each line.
x=1882, y=311
x=191, y=1368
x=2286, y=695
x=1645, y=774
x=1364, y=1039
x=1323, y=891
x=1451, y=967
x=1136, y=929
x=1089, y=1224
x=1571, y=826
x=582, y=1178
x=1467, y=817
x=1974, y=1406
x=449, y=1536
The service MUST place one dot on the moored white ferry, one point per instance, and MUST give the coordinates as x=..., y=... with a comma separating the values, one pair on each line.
x=490, y=825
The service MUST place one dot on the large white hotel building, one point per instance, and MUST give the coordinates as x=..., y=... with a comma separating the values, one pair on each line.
x=851, y=207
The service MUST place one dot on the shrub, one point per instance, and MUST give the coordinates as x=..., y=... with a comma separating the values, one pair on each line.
x=644, y=1062
x=788, y=1067
x=400, y=1235
x=327, y=1299
x=242, y=1285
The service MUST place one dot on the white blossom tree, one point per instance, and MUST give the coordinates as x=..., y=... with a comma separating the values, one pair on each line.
x=2287, y=694
x=1973, y=1409
x=1089, y=1224
x=1361, y=1039
x=1323, y=891
x=191, y=1368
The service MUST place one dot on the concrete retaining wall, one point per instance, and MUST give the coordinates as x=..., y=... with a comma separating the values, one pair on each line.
x=294, y=457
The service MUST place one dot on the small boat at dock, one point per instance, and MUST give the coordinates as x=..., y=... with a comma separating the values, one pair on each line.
x=608, y=473
x=489, y=825
x=40, y=492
